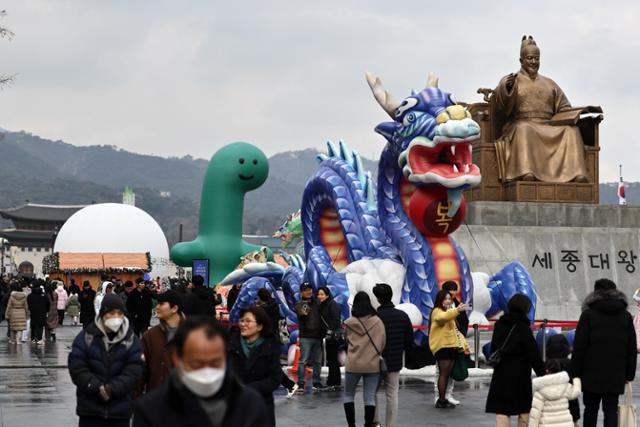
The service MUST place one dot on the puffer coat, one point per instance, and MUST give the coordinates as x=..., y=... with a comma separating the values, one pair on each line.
x=17, y=311
x=39, y=305
x=62, y=297
x=92, y=363
x=73, y=306
x=551, y=395
x=604, y=348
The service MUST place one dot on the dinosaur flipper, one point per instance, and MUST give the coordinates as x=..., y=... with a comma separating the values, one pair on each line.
x=184, y=253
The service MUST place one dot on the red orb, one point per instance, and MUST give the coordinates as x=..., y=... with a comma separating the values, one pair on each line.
x=428, y=209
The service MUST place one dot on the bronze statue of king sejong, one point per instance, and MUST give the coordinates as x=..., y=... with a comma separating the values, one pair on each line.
x=532, y=147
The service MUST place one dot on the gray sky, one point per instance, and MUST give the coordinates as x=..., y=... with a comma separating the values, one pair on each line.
x=177, y=78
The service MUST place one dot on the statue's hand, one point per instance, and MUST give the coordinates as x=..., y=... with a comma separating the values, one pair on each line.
x=511, y=79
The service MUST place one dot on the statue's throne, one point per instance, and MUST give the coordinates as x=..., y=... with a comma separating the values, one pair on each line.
x=491, y=122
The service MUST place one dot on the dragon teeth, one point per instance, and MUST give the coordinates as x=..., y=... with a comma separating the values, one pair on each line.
x=466, y=168
x=453, y=150
x=455, y=169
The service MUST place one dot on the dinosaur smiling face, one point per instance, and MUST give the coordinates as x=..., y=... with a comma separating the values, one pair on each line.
x=434, y=137
x=241, y=165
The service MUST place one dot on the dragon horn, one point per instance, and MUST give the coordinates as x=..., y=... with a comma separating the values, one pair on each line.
x=432, y=80
x=384, y=97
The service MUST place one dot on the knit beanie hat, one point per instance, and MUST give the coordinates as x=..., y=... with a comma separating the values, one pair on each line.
x=111, y=302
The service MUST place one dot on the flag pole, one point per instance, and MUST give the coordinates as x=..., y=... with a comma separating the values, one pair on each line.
x=620, y=172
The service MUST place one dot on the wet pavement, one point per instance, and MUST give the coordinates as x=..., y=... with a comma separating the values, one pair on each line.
x=36, y=390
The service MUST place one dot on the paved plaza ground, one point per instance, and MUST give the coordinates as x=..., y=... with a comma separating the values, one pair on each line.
x=36, y=390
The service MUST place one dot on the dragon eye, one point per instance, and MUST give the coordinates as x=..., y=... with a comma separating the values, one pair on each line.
x=255, y=162
x=241, y=161
x=409, y=118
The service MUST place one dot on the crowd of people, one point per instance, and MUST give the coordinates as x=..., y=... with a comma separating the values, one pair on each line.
x=191, y=369
x=34, y=309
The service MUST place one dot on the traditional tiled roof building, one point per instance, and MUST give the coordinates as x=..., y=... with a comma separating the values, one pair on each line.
x=31, y=238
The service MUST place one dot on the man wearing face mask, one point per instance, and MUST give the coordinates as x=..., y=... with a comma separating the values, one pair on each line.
x=201, y=391
x=105, y=364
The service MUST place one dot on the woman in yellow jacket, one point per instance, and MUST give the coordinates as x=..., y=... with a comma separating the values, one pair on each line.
x=445, y=341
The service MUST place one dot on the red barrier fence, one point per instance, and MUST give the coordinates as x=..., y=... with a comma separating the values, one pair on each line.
x=537, y=324
x=549, y=324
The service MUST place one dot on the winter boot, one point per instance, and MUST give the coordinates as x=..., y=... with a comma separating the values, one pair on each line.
x=369, y=415
x=350, y=413
x=449, y=393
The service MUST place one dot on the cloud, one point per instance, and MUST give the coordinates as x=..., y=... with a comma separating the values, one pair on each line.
x=186, y=78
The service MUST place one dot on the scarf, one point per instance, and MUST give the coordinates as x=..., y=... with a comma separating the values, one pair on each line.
x=249, y=347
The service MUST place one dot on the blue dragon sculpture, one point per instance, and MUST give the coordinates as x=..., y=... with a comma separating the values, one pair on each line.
x=356, y=234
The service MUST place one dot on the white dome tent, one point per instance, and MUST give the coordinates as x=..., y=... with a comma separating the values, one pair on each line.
x=118, y=228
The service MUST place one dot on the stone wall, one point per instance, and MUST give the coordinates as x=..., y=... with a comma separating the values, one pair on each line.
x=564, y=247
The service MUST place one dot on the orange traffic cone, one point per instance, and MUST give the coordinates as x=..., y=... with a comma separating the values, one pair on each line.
x=296, y=358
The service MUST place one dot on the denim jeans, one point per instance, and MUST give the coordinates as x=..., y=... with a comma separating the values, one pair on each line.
x=370, y=386
x=310, y=353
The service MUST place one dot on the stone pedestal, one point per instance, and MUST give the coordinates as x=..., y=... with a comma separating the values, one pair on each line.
x=565, y=248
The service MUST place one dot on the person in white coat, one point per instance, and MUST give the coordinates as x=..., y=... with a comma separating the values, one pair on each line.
x=63, y=297
x=102, y=291
x=551, y=396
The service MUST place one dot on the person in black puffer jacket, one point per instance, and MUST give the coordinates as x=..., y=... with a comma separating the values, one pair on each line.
x=87, y=311
x=333, y=333
x=139, y=307
x=604, y=351
x=399, y=334
x=254, y=356
x=232, y=296
x=105, y=364
x=201, y=301
x=39, y=305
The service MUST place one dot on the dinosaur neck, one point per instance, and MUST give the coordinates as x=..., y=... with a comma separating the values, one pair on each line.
x=221, y=211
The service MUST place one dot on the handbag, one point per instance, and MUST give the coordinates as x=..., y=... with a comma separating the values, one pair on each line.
x=627, y=411
x=460, y=370
x=383, y=363
x=495, y=357
x=336, y=335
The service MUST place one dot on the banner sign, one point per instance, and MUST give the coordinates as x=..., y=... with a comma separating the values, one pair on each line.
x=201, y=267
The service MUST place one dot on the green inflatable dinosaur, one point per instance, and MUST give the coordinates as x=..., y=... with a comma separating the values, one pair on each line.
x=233, y=170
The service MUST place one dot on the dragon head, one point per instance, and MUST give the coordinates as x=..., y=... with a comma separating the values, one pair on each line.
x=434, y=136
x=289, y=230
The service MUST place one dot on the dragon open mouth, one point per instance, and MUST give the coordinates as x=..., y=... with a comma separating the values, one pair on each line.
x=446, y=160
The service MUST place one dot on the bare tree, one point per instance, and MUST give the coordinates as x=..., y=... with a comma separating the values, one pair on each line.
x=5, y=33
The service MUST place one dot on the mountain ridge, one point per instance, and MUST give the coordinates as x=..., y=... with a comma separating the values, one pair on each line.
x=45, y=171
